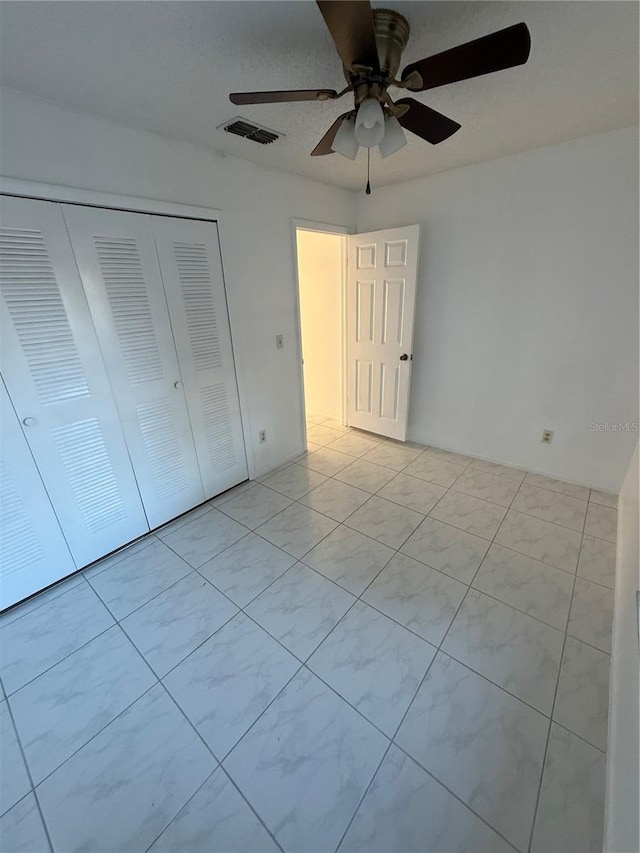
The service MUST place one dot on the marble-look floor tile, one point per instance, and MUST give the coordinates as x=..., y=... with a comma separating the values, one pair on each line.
x=129, y=550
x=335, y=499
x=582, y=702
x=296, y=529
x=294, y=480
x=22, y=830
x=443, y=547
x=246, y=568
x=483, y=744
x=448, y=456
x=14, y=781
x=324, y=435
x=255, y=505
x=59, y=711
x=316, y=418
x=226, y=684
x=179, y=522
x=306, y=763
x=123, y=787
x=420, y=598
x=570, y=815
x=233, y=492
x=204, y=537
x=510, y=648
x=215, y=818
x=39, y=600
x=412, y=492
x=37, y=641
x=601, y=522
x=364, y=475
x=300, y=608
x=349, y=558
x=139, y=578
x=551, y=506
x=560, y=486
x=353, y=445
x=326, y=461
x=385, y=521
x=393, y=456
x=604, y=498
x=177, y=621
x=541, y=540
x=471, y=514
x=597, y=561
x=526, y=584
x=591, y=616
x=514, y=474
x=374, y=663
x=434, y=469
x=407, y=811
x=486, y=486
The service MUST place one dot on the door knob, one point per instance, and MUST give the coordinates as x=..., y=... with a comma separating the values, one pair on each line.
x=177, y=384
x=404, y=357
x=29, y=421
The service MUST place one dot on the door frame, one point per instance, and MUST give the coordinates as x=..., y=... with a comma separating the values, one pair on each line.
x=136, y=204
x=342, y=231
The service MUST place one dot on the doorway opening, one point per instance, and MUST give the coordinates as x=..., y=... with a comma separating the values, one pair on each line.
x=321, y=265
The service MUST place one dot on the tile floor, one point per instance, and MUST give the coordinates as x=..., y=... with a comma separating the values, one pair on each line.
x=378, y=647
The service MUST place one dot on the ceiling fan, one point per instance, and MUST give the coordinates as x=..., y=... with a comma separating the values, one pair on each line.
x=370, y=43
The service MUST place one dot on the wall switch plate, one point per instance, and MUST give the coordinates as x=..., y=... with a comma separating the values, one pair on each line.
x=279, y=341
x=262, y=436
x=547, y=436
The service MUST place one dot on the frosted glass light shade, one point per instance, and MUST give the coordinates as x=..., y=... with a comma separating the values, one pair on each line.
x=345, y=141
x=393, y=139
x=369, y=123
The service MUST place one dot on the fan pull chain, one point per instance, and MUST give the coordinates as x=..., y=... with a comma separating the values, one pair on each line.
x=368, y=189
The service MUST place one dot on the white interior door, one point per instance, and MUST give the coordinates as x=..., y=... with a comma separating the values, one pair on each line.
x=381, y=293
x=191, y=268
x=33, y=551
x=55, y=376
x=118, y=264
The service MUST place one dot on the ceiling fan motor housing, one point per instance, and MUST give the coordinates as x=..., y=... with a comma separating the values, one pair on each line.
x=392, y=33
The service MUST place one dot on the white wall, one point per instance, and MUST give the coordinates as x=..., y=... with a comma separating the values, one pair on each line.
x=622, y=831
x=41, y=141
x=527, y=307
x=320, y=276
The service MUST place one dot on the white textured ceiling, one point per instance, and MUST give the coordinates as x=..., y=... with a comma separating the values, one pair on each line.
x=169, y=66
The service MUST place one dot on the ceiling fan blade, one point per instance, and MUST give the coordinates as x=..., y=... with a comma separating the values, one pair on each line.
x=425, y=122
x=324, y=146
x=350, y=23
x=287, y=95
x=504, y=49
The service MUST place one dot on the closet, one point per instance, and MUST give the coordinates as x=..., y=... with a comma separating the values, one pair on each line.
x=120, y=395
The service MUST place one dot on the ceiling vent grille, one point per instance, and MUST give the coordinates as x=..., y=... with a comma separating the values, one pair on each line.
x=249, y=130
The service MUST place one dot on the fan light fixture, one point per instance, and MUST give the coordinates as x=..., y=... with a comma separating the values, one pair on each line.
x=369, y=123
x=345, y=141
x=350, y=135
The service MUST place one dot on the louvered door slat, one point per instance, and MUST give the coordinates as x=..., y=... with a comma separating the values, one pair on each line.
x=118, y=263
x=33, y=552
x=56, y=380
x=192, y=273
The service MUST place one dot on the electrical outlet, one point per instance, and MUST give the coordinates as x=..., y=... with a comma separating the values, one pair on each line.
x=547, y=436
x=262, y=435
x=279, y=341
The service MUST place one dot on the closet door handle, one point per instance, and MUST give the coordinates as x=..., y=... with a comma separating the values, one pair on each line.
x=29, y=421
x=177, y=385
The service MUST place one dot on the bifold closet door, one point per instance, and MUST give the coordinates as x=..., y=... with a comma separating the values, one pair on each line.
x=33, y=551
x=58, y=385
x=118, y=264
x=189, y=255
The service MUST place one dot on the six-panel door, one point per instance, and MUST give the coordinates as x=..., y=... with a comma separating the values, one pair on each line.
x=381, y=287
